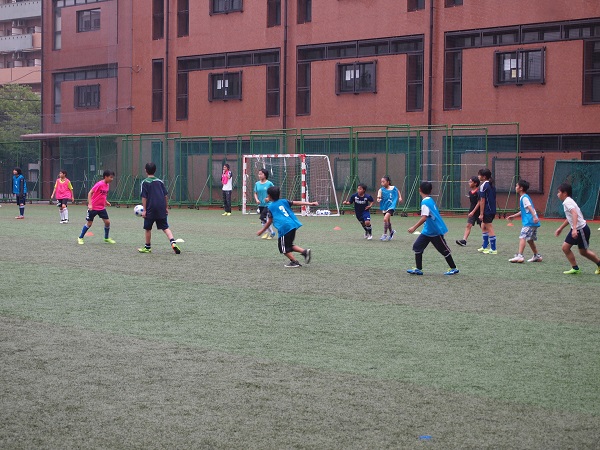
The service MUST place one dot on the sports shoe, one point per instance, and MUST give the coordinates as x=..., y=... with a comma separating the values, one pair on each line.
x=383, y=237
x=175, y=248
x=270, y=236
x=481, y=249
x=145, y=250
x=265, y=235
x=224, y=214
x=535, y=258
x=20, y=217
x=366, y=235
x=452, y=272
x=517, y=259
x=109, y=241
x=80, y=241
x=461, y=242
x=597, y=272
x=391, y=235
x=293, y=264
x=572, y=271
x=306, y=256
x=415, y=271
x=62, y=221
x=369, y=237
x=227, y=214
x=489, y=251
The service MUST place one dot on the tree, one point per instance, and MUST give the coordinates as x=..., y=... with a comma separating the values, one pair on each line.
x=20, y=112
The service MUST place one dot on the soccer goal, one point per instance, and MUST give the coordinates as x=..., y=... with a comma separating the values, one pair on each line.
x=299, y=176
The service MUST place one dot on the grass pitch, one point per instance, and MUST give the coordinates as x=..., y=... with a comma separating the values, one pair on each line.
x=223, y=347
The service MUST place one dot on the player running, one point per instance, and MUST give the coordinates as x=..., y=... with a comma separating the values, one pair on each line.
x=362, y=208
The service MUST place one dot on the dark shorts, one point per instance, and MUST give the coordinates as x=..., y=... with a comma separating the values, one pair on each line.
x=438, y=242
x=366, y=216
x=62, y=201
x=161, y=224
x=583, y=238
x=473, y=220
x=389, y=211
x=488, y=218
x=91, y=214
x=286, y=242
x=263, y=211
x=21, y=199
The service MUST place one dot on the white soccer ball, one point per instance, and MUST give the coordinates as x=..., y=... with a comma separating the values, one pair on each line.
x=138, y=210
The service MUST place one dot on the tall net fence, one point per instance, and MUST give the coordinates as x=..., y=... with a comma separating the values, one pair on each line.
x=584, y=178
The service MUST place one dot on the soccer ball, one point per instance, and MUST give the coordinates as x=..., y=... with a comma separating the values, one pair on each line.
x=138, y=210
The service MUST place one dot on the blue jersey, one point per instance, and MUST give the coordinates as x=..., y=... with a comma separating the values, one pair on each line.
x=526, y=216
x=389, y=198
x=487, y=191
x=19, y=185
x=360, y=203
x=434, y=225
x=155, y=193
x=284, y=218
x=261, y=191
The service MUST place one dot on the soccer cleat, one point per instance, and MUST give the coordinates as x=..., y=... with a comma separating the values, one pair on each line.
x=366, y=235
x=597, y=272
x=80, y=241
x=175, y=248
x=62, y=221
x=270, y=236
x=517, y=259
x=391, y=235
x=228, y=214
x=482, y=250
x=383, y=237
x=415, y=271
x=572, y=271
x=369, y=237
x=306, y=256
x=489, y=251
x=535, y=258
x=293, y=264
x=265, y=235
x=20, y=217
x=145, y=250
x=109, y=241
x=462, y=242
x=452, y=272
x=224, y=214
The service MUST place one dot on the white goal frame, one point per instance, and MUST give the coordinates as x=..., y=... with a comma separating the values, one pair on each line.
x=248, y=187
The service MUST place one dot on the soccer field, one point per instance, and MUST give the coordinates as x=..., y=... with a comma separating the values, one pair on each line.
x=223, y=347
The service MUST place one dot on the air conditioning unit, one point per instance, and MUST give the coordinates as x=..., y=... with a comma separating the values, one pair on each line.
x=18, y=55
x=18, y=23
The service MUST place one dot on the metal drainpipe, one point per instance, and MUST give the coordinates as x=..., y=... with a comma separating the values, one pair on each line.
x=166, y=84
x=285, y=58
x=429, y=100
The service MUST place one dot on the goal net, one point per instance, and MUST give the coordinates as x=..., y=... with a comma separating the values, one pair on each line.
x=300, y=177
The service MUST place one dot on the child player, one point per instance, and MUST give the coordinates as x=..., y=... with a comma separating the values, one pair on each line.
x=260, y=194
x=388, y=197
x=531, y=223
x=362, y=208
x=20, y=191
x=284, y=219
x=63, y=189
x=487, y=211
x=473, y=207
x=579, y=234
x=433, y=232
x=155, y=201
x=97, y=203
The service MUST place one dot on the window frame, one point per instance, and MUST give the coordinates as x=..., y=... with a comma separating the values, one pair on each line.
x=303, y=91
x=304, y=11
x=452, y=3
x=522, y=67
x=415, y=82
x=591, y=73
x=158, y=20
x=273, y=13
x=415, y=5
x=157, y=89
x=342, y=72
x=224, y=76
x=81, y=20
x=229, y=6
x=273, y=91
x=85, y=90
x=453, y=79
x=183, y=18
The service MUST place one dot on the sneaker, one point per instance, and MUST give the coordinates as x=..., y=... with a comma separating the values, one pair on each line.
x=415, y=271
x=228, y=214
x=462, y=242
x=20, y=217
x=369, y=237
x=224, y=214
x=366, y=235
x=265, y=235
x=482, y=250
x=597, y=272
x=391, y=235
x=175, y=248
x=145, y=250
x=293, y=264
x=62, y=221
x=517, y=259
x=535, y=258
x=383, y=237
x=66, y=221
x=306, y=256
x=452, y=272
x=572, y=271
x=488, y=251
x=80, y=241
x=270, y=236
x=109, y=241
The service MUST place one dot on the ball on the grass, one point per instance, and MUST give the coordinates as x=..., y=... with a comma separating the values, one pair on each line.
x=138, y=210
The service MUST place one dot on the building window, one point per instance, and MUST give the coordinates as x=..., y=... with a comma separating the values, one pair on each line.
x=181, y=109
x=87, y=96
x=355, y=78
x=225, y=6
x=453, y=80
x=57, y=44
x=303, y=89
x=415, y=5
x=157, y=90
x=450, y=3
x=88, y=20
x=273, y=90
x=414, y=83
x=225, y=86
x=183, y=18
x=273, y=13
x=304, y=11
x=591, y=72
x=158, y=19
x=520, y=66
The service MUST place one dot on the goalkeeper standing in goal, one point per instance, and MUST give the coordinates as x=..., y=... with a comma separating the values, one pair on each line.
x=260, y=195
x=284, y=219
